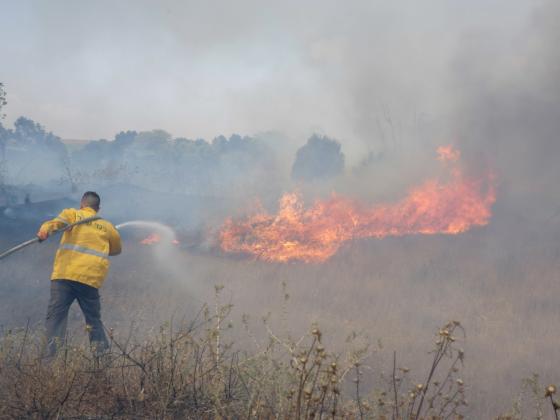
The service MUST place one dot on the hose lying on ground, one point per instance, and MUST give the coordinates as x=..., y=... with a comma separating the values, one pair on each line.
x=35, y=240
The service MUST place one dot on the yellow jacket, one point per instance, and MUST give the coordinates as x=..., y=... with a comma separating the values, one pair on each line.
x=83, y=254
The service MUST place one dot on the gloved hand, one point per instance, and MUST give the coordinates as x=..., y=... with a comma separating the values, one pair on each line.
x=42, y=235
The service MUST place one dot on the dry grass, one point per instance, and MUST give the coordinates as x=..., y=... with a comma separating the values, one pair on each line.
x=193, y=371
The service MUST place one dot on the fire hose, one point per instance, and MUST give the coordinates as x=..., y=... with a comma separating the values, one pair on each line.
x=36, y=240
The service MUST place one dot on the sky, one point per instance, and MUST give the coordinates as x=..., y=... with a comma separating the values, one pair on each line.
x=88, y=70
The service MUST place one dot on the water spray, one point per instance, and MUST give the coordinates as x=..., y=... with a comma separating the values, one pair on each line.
x=36, y=240
x=166, y=230
x=164, y=235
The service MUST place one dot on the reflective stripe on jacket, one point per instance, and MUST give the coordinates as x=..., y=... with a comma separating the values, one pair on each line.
x=83, y=254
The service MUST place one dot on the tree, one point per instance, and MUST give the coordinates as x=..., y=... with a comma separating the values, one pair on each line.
x=3, y=131
x=319, y=158
x=152, y=140
x=30, y=134
x=3, y=140
x=125, y=138
x=3, y=101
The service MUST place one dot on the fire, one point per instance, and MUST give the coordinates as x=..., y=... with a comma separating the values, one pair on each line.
x=155, y=238
x=316, y=233
x=448, y=154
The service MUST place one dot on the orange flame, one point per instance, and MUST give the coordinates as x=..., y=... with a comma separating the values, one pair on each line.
x=448, y=154
x=315, y=234
x=153, y=238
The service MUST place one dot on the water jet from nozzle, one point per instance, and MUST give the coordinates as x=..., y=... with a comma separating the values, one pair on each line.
x=167, y=233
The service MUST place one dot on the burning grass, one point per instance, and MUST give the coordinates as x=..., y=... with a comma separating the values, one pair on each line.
x=316, y=234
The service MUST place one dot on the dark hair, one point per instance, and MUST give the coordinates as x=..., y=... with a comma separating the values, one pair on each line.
x=91, y=199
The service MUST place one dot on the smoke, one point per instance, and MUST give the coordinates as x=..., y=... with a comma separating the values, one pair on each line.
x=384, y=78
x=241, y=67
x=506, y=105
x=390, y=81
x=28, y=153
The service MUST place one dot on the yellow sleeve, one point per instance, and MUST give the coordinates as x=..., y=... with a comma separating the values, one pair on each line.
x=66, y=217
x=115, y=246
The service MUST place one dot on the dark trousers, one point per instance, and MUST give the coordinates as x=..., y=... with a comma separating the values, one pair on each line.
x=63, y=293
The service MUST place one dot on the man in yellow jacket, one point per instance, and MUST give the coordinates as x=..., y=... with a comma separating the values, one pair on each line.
x=80, y=267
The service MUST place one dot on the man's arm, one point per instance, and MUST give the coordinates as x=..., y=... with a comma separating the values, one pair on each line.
x=66, y=217
x=115, y=246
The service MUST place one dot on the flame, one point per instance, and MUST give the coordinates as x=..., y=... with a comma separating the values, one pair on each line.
x=151, y=239
x=154, y=238
x=315, y=234
x=448, y=154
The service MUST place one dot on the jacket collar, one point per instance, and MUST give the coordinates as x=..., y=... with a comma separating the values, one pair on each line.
x=89, y=210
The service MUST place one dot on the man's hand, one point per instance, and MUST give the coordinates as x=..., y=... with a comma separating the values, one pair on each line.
x=42, y=235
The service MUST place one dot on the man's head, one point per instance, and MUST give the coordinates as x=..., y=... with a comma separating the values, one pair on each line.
x=90, y=199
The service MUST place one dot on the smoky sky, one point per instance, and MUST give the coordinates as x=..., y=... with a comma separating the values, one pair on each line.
x=198, y=69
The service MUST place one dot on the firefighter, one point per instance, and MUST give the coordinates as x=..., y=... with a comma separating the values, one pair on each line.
x=80, y=267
